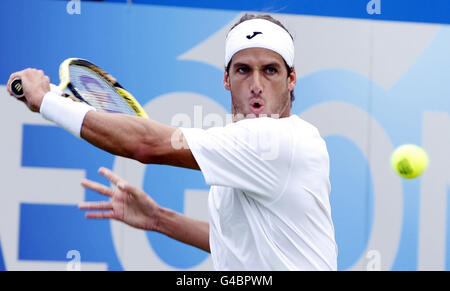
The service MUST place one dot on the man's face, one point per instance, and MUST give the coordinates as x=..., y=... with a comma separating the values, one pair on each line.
x=259, y=83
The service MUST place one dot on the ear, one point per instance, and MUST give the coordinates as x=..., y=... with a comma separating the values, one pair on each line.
x=292, y=79
x=226, y=81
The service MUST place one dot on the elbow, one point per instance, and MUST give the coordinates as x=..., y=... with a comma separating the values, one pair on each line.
x=147, y=152
x=143, y=153
x=153, y=146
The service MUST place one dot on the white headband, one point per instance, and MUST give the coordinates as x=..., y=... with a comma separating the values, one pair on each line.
x=259, y=33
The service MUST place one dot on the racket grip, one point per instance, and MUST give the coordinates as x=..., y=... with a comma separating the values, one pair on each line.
x=16, y=88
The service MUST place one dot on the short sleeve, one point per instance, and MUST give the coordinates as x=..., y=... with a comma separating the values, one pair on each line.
x=253, y=155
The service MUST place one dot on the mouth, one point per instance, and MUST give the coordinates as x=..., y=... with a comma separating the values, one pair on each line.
x=256, y=106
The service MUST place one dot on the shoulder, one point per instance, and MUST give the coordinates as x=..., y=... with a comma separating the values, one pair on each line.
x=292, y=126
x=268, y=123
x=303, y=127
x=265, y=129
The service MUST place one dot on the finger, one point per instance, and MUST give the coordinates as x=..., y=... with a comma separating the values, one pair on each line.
x=100, y=215
x=22, y=99
x=102, y=189
x=99, y=205
x=107, y=173
x=125, y=187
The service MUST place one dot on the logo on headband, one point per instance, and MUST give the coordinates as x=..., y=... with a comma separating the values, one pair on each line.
x=255, y=33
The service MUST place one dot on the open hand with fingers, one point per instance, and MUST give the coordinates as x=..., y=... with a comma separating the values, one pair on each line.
x=127, y=204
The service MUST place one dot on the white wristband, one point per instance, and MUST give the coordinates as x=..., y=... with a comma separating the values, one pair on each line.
x=65, y=112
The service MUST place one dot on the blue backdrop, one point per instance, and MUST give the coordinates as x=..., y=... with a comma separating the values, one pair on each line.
x=140, y=44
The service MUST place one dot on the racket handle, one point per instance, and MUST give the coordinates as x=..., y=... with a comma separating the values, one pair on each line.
x=16, y=88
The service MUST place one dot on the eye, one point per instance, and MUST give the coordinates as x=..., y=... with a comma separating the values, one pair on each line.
x=271, y=70
x=242, y=70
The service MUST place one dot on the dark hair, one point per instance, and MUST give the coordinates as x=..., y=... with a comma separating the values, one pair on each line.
x=248, y=16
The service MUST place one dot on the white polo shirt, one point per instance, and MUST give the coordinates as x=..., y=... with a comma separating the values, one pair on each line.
x=269, y=205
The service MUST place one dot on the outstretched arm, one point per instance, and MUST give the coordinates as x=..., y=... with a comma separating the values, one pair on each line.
x=144, y=140
x=141, y=139
x=135, y=208
x=137, y=138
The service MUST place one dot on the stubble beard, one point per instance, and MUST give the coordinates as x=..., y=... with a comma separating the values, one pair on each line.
x=238, y=111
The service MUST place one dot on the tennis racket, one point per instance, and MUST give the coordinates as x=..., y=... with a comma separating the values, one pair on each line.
x=83, y=81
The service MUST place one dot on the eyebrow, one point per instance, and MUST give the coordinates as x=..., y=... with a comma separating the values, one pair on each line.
x=277, y=65
x=239, y=64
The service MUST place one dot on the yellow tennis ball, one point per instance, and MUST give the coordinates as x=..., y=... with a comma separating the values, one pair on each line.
x=409, y=161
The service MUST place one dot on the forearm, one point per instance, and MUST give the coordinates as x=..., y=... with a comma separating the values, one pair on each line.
x=118, y=134
x=144, y=140
x=183, y=228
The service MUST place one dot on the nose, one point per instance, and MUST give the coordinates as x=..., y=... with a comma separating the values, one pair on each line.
x=256, y=87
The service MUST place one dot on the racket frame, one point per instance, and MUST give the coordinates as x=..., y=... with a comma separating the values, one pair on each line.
x=64, y=76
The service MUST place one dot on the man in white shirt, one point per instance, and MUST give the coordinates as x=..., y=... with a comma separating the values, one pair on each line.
x=269, y=203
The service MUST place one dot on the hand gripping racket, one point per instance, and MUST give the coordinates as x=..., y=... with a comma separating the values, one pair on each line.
x=88, y=83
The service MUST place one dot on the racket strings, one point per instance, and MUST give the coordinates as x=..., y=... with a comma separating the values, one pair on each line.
x=96, y=91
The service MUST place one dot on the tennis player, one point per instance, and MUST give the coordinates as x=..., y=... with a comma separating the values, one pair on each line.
x=268, y=206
